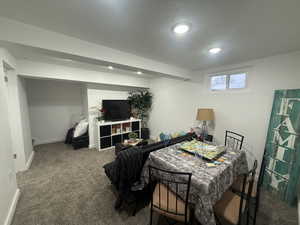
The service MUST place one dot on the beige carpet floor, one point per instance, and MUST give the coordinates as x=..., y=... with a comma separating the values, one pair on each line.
x=67, y=187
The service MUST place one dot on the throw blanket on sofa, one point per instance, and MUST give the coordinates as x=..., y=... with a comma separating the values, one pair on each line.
x=126, y=169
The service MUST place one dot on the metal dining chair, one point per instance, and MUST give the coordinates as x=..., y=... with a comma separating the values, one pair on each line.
x=234, y=140
x=171, y=194
x=233, y=206
x=255, y=194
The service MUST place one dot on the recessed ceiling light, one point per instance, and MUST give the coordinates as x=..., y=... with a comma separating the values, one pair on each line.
x=215, y=50
x=110, y=67
x=181, y=28
x=139, y=72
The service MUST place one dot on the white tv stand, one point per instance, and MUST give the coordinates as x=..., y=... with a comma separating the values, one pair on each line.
x=111, y=133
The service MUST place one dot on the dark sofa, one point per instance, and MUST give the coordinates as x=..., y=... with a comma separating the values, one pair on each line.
x=81, y=141
x=125, y=171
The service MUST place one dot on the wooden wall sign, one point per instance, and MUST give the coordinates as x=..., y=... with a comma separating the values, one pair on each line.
x=282, y=154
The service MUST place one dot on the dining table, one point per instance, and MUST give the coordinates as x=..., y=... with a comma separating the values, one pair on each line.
x=209, y=180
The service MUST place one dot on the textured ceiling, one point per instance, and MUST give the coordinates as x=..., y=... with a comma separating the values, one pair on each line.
x=245, y=29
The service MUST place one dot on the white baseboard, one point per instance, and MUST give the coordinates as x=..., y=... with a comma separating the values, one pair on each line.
x=29, y=161
x=12, y=208
x=50, y=141
x=92, y=146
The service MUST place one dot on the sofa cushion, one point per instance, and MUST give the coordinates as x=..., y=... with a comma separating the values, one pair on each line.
x=81, y=128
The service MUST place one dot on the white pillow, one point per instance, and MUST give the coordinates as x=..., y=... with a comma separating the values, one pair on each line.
x=81, y=128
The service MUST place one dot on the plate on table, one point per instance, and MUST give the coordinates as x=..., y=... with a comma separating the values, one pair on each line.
x=207, y=151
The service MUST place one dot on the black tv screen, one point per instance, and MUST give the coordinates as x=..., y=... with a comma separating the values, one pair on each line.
x=116, y=109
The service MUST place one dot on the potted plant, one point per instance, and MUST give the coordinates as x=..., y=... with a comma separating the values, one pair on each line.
x=141, y=102
x=132, y=136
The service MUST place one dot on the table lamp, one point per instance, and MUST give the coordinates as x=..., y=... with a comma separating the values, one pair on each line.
x=205, y=115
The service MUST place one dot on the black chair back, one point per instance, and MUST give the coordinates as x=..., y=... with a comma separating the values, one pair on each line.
x=259, y=185
x=247, y=188
x=234, y=140
x=173, y=183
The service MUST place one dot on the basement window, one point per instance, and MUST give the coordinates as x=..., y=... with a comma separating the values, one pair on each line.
x=228, y=81
x=218, y=82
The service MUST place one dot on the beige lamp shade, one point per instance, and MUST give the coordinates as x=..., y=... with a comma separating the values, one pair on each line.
x=205, y=114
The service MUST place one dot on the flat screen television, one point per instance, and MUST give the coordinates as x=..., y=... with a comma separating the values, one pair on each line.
x=116, y=110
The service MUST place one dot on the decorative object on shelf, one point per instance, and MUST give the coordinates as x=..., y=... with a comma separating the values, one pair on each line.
x=101, y=117
x=205, y=115
x=132, y=142
x=141, y=102
x=116, y=129
x=132, y=135
x=93, y=113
